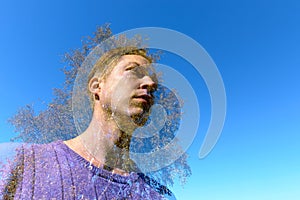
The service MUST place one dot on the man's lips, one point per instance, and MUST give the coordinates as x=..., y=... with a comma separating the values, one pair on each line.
x=145, y=98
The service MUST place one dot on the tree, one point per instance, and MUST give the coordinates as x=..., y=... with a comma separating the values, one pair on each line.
x=56, y=121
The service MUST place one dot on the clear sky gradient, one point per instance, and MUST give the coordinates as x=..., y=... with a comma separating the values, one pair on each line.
x=255, y=45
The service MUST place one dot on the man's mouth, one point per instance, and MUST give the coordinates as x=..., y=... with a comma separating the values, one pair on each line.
x=145, y=98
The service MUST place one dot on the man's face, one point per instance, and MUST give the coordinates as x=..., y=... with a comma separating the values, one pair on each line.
x=127, y=90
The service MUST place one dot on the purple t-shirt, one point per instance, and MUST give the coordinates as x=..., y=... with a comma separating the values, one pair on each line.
x=54, y=171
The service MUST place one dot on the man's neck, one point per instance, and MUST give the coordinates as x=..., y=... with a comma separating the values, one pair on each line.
x=104, y=145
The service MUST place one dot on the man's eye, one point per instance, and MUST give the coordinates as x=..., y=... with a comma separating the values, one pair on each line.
x=130, y=67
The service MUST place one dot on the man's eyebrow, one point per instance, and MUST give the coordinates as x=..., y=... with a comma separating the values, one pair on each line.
x=136, y=63
x=133, y=62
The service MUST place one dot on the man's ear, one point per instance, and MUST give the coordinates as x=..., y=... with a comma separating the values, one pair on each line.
x=95, y=85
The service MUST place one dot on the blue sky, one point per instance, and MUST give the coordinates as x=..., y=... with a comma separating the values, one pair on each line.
x=255, y=45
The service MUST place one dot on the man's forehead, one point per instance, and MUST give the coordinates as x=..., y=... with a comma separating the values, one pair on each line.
x=134, y=58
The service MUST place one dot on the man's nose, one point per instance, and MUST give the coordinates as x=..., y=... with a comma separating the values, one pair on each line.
x=148, y=83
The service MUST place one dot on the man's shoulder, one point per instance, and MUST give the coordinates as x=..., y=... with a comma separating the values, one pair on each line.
x=13, y=153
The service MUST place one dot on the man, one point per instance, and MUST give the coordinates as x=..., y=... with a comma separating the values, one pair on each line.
x=95, y=164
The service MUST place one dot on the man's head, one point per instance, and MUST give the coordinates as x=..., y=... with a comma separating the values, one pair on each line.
x=122, y=82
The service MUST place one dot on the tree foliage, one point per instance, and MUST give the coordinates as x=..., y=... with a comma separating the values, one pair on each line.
x=56, y=121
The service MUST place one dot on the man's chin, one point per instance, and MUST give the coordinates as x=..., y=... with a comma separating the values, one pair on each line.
x=140, y=118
